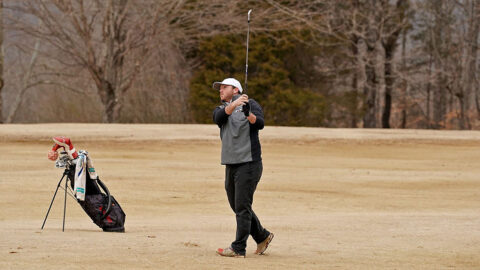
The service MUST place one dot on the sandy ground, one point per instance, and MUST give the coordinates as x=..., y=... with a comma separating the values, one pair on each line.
x=335, y=199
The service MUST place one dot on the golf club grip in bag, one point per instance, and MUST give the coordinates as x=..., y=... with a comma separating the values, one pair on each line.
x=100, y=206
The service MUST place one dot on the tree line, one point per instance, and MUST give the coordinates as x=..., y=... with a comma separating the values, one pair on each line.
x=353, y=63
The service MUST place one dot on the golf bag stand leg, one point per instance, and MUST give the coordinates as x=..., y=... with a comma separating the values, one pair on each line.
x=65, y=205
x=55, y=194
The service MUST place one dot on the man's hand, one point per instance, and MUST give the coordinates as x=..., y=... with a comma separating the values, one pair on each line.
x=242, y=100
x=246, y=109
x=52, y=155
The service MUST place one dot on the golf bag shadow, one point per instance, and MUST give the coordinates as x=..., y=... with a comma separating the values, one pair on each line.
x=100, y=206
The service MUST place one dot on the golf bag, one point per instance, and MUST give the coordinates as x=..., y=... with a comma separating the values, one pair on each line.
x=100, y=206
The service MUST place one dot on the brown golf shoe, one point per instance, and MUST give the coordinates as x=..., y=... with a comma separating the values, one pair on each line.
x=261, y=247
x=229, y=252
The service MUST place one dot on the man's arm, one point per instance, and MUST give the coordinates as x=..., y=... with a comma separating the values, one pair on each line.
x=220, y=117
x=221, y=113
x=256, y=115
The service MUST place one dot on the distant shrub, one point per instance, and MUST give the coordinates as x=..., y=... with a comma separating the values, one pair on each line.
x=270, y=80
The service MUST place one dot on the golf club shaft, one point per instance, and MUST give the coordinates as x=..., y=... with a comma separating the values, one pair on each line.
x=246, y=60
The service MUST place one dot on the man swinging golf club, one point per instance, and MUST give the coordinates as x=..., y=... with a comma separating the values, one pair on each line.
x=239, y=120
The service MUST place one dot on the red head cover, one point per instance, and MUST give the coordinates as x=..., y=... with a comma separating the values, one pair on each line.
x=66, y=143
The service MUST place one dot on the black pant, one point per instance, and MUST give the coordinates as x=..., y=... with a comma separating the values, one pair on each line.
x=240, y=183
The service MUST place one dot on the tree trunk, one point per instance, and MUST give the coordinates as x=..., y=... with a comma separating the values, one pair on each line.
x=429, y=91
x=108, y=100
x=440, y=102
x=1, y=60
x=354, y=120
x=475, y=78
x=462, y=121
x=404, y=81
x=354, y=109
x=371, y=84
x=390, y=45
x=388, y=88
x=441, y=41
x=370, y=91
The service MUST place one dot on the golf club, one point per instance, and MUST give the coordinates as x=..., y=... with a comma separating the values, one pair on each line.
x=246, y=60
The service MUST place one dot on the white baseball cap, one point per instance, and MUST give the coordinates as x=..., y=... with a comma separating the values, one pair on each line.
x=228, y=81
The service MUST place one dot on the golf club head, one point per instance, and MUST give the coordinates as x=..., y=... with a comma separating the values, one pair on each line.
x=63, y=160
x=250, y=11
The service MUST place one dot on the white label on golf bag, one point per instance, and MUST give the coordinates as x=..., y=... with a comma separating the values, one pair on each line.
x=91, y=169
x=80, y=177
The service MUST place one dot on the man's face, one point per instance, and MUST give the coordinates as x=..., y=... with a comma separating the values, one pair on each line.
x=227, y=92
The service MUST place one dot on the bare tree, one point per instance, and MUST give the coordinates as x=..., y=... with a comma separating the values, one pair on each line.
x=443, y=62
x=371, y=30
x=127, y=58
x=110, y=39
x=333, y=24
x=119, y=42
